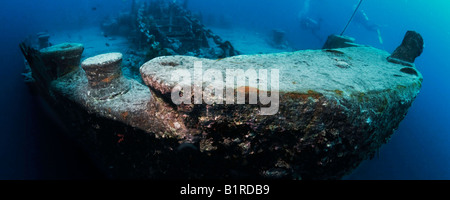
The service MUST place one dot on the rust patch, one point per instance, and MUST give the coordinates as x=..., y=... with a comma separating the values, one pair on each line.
x=124, y=115
x=109, y=79
x=219, y=59
x=339, y=92
x=311, y=93
x=247, y=89
x=121, y=138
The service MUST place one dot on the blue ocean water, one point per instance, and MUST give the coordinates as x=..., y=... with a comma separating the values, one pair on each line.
x=32, y=147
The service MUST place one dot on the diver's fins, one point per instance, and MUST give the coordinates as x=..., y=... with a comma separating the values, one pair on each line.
x=379, y=36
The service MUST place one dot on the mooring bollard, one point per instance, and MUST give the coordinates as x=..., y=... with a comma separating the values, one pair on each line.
x=62, y=58
x=104, y=75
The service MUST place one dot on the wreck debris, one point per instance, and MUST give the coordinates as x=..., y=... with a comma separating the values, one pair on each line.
x=278, y=36
x=279, y=39
x=62, y=58
x=104, y=74
x=166, y=28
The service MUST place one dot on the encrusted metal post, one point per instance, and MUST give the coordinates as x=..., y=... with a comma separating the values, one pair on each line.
x=63, y=58
x=104, y=76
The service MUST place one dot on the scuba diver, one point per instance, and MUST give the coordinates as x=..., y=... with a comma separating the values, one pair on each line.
x=309, y=23
x=362, y=19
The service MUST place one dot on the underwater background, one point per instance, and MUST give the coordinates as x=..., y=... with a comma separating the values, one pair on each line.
x=32, y=146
